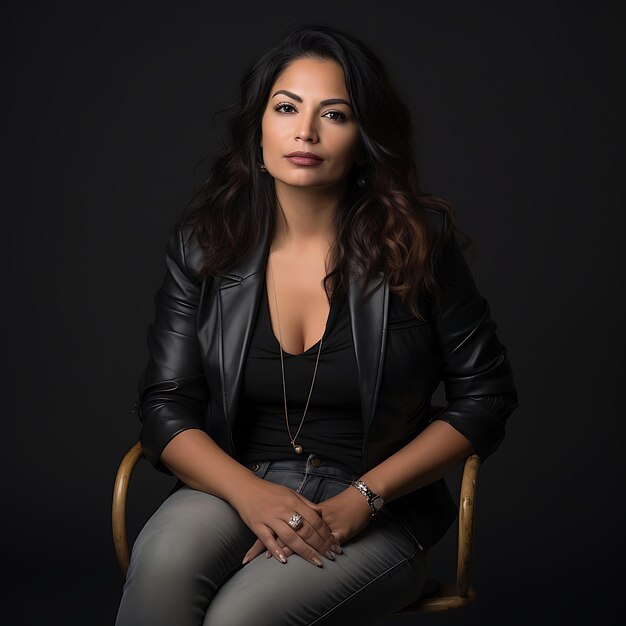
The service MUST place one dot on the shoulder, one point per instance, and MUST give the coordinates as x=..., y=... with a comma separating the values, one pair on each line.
x=445, y=245
x=441, y=225
x=437, y=217
x=185, y=248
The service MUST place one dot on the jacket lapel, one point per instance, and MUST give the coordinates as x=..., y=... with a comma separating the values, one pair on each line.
x=368, y=317
x=239, y=293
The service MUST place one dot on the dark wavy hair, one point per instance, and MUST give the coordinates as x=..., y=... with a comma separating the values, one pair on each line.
x=380, y=225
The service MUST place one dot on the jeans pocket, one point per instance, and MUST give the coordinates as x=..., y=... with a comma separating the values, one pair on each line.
x=258, y=468
x=294, y=480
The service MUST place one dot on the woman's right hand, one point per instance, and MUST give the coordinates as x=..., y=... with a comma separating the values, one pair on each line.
x=266, y=507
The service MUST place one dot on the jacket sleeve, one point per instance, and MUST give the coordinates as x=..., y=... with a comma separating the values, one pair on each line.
x=478, y=381
x=173, y=392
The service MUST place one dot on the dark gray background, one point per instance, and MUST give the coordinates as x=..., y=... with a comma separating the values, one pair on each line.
x=107, y=111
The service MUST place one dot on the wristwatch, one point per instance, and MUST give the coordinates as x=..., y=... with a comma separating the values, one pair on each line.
x=375, y=501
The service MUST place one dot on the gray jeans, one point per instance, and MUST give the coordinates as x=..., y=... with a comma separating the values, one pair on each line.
x=185, y=567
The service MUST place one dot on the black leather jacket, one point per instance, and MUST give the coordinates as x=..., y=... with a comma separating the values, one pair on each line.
x=202, y=329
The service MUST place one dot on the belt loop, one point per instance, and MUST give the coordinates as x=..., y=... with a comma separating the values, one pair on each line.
x=308, y=464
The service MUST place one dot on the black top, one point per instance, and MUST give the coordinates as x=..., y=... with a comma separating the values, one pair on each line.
x=333, y=425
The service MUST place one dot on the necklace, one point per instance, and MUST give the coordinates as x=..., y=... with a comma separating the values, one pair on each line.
x=298, y=449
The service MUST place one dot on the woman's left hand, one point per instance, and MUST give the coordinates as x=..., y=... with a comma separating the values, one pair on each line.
x=346, y=514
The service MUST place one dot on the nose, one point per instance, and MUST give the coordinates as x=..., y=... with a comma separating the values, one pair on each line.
x=308, y=128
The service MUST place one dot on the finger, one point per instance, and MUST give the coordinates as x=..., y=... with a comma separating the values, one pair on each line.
x=301, y=544
x=316, y=533
x=287, y=551
x=268, y=539
x=328, y=540
x=254, y=551
x=319, y=535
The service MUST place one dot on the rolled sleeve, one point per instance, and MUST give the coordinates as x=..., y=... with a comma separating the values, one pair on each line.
x=477, y=376
x=173, y=392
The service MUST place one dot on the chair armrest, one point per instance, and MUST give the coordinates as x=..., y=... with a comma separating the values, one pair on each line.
x=124, y=472
x=466, y=522
x=466, y=516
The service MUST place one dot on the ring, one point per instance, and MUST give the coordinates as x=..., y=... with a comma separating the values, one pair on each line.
x=295, y=521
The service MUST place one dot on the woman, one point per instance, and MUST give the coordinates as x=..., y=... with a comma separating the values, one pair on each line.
x=313, y=300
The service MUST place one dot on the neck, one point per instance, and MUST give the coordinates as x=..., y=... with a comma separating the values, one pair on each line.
x=305, y=216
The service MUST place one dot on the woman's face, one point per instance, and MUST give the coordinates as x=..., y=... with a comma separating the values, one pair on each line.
x=301, y=121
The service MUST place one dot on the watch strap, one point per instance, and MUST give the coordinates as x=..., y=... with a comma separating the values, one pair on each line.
x=369, y=495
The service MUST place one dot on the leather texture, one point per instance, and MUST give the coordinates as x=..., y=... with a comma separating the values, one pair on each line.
x=202, y=329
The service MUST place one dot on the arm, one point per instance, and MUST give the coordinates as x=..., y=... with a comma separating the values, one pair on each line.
x=479, y=389
x=199, y=462
x=173, y=395
x=172, y=390
x=478, y=382
x=428, y=457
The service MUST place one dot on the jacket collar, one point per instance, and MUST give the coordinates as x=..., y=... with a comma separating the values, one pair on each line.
x=239, y=292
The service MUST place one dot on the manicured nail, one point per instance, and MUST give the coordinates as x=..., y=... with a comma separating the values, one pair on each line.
x=245, y=560
x=282, y=557
x=268, y=554
x=330, y=555
x=317, y=562
x=336, y=549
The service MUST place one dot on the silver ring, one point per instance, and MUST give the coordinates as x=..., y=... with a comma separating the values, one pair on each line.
x=295, y=521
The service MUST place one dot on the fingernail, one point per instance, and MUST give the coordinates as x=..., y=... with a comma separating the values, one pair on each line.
x=245, y=560
x=338, y=549
x=282, y=558
x=317, y=561
x=330, y=555
x=268, y=554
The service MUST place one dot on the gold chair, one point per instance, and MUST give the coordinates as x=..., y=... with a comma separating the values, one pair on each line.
x=435, y=596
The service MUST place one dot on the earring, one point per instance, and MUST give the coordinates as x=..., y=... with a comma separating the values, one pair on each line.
x=262, y=167
x=361, y=181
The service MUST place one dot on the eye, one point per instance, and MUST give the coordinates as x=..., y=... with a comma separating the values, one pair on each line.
x=341, y=118
x=283, y=104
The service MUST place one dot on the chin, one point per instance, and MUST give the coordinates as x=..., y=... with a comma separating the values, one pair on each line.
x=310, y=179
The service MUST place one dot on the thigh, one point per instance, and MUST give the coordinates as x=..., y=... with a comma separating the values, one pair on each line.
x=380, y=571
x=184, y=552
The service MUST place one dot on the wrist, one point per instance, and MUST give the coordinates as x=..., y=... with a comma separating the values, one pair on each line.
x=242, y=489
x=374, y=500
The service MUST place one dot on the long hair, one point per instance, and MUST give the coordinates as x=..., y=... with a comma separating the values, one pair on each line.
x=378, y=226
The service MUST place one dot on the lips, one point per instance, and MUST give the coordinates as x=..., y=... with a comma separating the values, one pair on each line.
x=307, y=155
x=304, y=158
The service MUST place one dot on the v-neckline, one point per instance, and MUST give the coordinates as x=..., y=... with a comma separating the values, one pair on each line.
x=271, y=330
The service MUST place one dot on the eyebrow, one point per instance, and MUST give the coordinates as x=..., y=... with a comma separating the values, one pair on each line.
x=323, y=102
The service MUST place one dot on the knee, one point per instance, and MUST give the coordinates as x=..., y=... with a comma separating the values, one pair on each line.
x=259, y=604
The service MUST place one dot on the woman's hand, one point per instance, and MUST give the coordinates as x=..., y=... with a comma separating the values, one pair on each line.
x=266, y=507
x=345, y=514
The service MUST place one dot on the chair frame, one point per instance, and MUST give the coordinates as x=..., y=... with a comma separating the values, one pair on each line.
x=435, y=596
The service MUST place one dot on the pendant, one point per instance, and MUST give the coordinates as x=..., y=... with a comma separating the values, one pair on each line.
x=298, y=449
